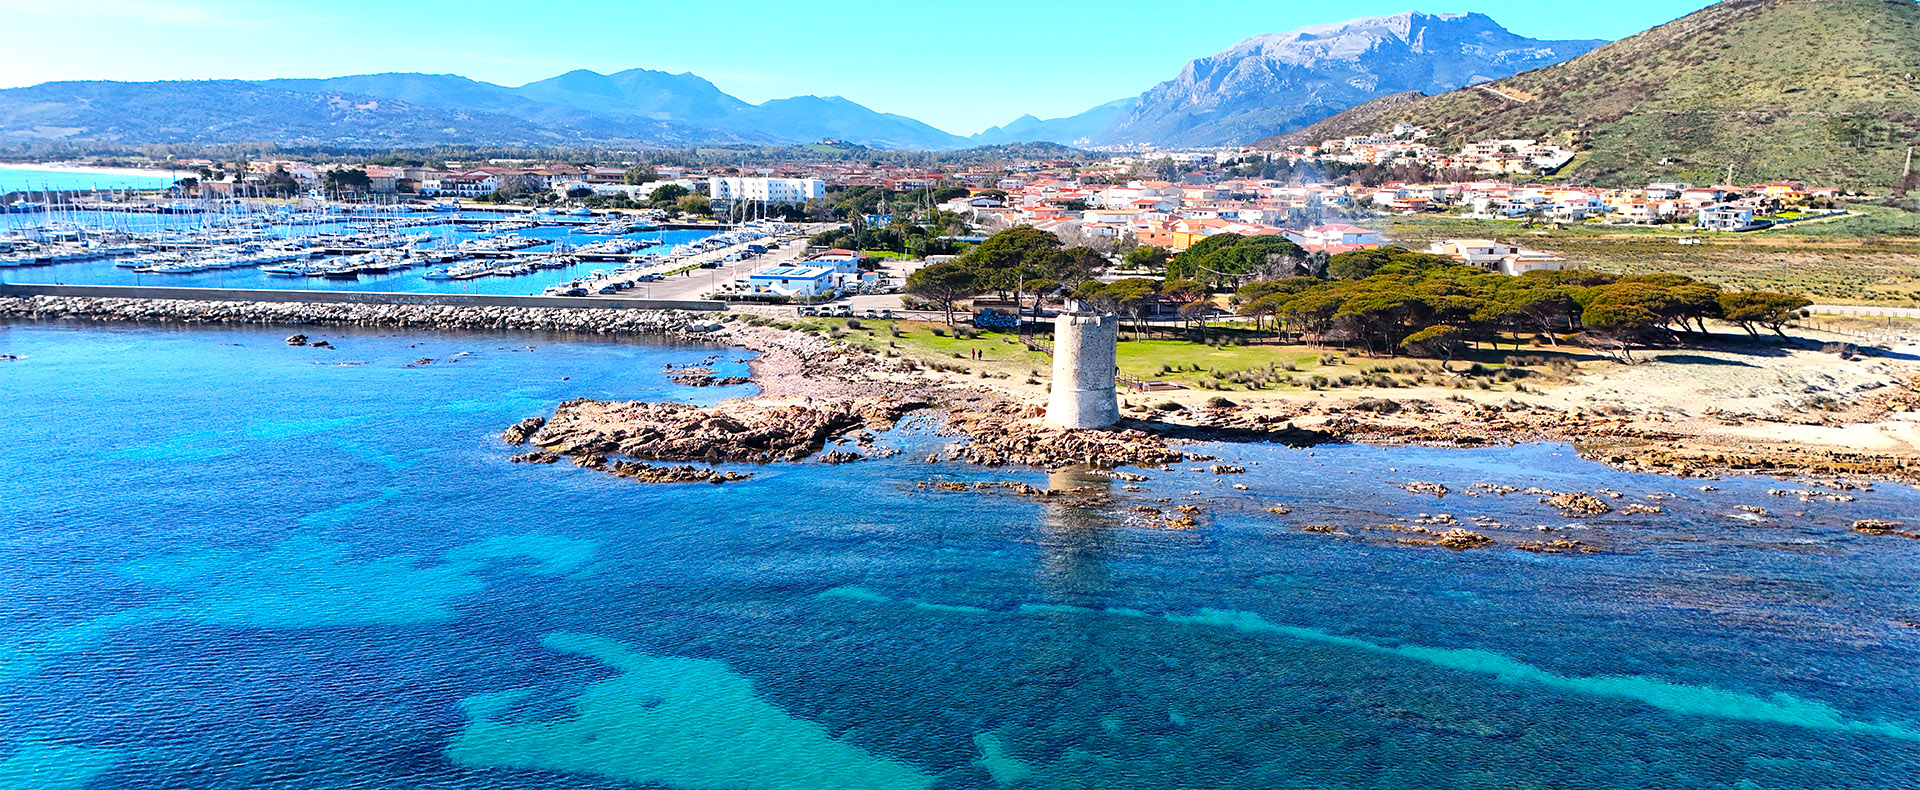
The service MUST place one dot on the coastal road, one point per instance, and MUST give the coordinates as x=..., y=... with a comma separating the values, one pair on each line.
x=696, y=283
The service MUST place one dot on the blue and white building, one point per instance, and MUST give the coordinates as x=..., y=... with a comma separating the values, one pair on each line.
x=793, y=280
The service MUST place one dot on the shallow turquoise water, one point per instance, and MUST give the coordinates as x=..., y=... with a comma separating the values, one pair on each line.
x=226, y=562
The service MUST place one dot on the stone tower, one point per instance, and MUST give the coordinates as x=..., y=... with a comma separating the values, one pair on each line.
x=1084, y=346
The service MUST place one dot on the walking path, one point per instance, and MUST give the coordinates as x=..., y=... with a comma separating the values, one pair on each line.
x=1864, y=310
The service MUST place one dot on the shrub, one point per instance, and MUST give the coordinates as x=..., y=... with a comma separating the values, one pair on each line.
x=854, y=323
x=1220, y=403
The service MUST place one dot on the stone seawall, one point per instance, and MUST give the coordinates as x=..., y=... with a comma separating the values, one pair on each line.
x=182, y=311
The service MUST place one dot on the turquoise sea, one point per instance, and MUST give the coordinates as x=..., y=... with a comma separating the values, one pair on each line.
x=37, y=179
x=230, y=563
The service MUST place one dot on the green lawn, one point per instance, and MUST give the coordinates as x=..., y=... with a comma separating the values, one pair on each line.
x=1867, y=221
x=1264, y=365
x=1143, y=359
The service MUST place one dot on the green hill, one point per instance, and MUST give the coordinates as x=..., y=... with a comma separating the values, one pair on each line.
x=1826, y=91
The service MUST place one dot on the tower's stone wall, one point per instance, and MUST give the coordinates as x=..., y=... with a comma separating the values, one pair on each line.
x=1084, y=348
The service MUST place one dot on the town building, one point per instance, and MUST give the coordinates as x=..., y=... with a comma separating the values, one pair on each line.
x=1728, y=217
x=1336, y=239
x=1497, y=256
x=765, y=190
x=793, y=280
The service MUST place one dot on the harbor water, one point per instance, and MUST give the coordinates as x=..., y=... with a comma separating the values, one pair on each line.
x=230, y=563
x=32, y=179
x=106, y=272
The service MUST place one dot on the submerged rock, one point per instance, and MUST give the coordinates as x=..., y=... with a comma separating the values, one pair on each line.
x=1418, y=487
x=1872, y=526
x=1575, y=504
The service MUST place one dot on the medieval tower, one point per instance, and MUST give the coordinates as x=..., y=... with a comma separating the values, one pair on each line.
x=1085, y=342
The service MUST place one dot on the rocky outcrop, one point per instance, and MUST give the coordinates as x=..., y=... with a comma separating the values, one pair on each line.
x=707, y=380
x=1007, y=434
x=521, y=431
x=741, y=431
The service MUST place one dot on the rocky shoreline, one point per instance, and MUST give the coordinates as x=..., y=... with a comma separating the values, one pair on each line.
x=1002, y=427
x=1614, y=440
x=403, y=316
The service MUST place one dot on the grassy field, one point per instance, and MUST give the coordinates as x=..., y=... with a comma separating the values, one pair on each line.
x=1854, y=260
x=1195, y=366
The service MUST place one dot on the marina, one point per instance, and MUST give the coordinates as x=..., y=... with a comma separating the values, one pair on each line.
x=315, y=245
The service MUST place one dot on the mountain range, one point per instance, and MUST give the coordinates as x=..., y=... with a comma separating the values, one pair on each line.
x=1826, y=91
x=1278, y=82
x=1261, y=86
x=580, y=107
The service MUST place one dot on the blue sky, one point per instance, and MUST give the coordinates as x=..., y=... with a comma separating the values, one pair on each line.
x=961, y=66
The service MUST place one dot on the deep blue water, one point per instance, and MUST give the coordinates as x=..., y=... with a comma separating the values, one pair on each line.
x=226, y=562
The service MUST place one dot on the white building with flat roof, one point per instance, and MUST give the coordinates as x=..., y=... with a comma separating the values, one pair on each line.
x=765, y=190
x=793, y=280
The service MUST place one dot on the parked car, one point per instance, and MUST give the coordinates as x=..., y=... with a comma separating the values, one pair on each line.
x=648, y=278
x=574, y=292
x=886, y=313
x=872, y=313
x=608, y=290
